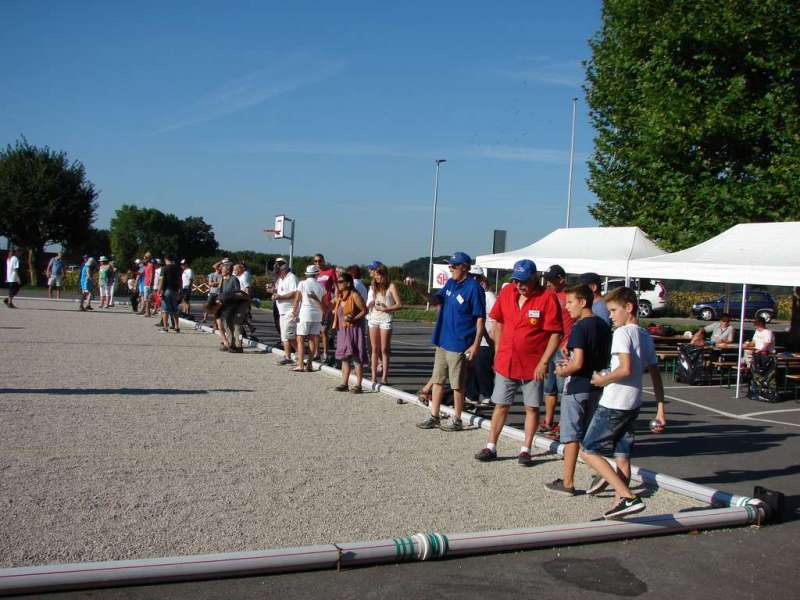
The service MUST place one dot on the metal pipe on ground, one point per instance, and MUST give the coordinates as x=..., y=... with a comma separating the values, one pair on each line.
x=421, y=546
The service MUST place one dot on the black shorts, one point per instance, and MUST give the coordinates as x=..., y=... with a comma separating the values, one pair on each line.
x=13, y=288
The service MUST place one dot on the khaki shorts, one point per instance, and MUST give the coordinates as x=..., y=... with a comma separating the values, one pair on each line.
x=449, y=366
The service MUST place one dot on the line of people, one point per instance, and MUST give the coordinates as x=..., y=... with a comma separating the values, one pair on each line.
x=548, y=339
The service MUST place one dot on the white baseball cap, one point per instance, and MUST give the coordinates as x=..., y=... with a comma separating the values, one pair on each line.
x=312, y=270
x=476, y=270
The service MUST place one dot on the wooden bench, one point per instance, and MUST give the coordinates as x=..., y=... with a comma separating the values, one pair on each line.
x=727, y=367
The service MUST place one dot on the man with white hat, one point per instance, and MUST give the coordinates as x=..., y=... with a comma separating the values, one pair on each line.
x=310, y=306
x=283, y=298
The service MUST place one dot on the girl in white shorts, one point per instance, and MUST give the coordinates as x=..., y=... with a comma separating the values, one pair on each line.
x=382, y=301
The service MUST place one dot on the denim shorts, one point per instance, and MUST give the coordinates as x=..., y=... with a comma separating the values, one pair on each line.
x=553, y=384
x=610, y=432
x=169, y=302
x=576, y=414
x=506, y=389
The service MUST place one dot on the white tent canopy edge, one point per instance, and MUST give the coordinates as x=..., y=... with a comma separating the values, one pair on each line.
x=602, y=250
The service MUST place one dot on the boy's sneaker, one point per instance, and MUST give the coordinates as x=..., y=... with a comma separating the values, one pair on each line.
x=558, y=487
x=626, y=506
x=597, y=485
x=524, y=459
x=486, y=455
x=452, y=425
x=430, y=423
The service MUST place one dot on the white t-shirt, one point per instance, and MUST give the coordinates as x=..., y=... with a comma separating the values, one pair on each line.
x=12, y=270
x=186, y=277
x=156, y=278
x=285, y=285
x=764, y=340
x=245, y=280
x=310, y=310
x=635, y=341
x=490, y=300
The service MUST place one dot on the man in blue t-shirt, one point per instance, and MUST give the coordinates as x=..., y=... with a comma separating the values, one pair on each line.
x=457, y=336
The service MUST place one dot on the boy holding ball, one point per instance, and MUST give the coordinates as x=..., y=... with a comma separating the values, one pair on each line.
x=612, y=428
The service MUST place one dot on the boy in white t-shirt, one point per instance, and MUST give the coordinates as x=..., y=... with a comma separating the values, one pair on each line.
x=612, y=426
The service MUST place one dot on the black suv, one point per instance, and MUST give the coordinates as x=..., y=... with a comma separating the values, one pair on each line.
x=759, y=304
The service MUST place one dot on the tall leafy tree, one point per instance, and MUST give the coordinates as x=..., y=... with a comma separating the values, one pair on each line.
x=44, y=199
x=696, y=106
x=135, y=231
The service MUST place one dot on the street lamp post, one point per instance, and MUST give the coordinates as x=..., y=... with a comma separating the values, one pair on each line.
x=571, y=160
x=438, y=163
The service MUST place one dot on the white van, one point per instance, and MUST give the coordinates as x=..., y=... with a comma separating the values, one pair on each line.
x=652, y=294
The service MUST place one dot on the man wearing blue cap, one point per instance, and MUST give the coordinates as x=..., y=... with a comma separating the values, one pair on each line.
x=457, y=336
x=527, y=331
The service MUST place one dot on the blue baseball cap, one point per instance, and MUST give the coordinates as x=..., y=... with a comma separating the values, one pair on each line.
x=374, y=265
x=524, y=270
x=459, y=258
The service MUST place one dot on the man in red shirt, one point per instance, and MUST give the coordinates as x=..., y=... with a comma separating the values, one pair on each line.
x=327, y=277
x=556, y=280
x=526, y=334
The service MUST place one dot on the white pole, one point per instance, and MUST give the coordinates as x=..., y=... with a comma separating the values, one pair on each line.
x=438, y=162
x=741, y=340
x=291, y=245
x=571, y=160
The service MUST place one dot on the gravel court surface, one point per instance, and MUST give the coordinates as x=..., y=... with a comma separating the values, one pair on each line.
x=117, y=442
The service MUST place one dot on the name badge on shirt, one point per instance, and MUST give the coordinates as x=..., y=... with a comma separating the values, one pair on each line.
x=447, y=292
x=533, y=317
x=460, y=299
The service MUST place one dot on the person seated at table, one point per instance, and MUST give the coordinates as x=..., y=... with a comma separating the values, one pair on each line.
x=721, y=333
x=763, y=339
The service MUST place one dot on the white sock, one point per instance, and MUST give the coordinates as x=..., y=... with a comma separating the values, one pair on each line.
x=491, y=446
x=524, y=449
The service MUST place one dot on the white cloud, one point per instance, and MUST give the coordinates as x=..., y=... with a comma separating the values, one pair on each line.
x=543, y=70
x=281, y=77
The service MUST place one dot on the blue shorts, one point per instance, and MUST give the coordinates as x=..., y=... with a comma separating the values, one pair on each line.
x=169, y=302
x=610, y=432
x=553, y=384
x=576, y=414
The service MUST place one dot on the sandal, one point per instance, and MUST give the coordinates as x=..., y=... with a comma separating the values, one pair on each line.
x=342, y=387
x=356, y=389
x=298, y=370
x=310, y=367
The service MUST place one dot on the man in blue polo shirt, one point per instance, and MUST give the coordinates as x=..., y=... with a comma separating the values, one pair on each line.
x=457, y=337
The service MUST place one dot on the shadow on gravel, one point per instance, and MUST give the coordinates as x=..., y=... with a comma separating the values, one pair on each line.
x=117, y=391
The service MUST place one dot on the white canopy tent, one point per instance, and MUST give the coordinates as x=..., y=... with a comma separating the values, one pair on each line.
x=762, y=253
x=601, y=250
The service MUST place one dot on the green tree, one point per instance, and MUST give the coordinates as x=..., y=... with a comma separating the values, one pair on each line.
x=696, y=109
x=135, y=231
x=96, y=243
x=44, y=199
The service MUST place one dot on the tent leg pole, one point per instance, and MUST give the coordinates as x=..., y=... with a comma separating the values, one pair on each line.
x=741, y=340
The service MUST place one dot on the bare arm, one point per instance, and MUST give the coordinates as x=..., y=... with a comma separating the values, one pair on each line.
x=395, y=297
x=473, y=349
x=574, y=365
x=658, y=390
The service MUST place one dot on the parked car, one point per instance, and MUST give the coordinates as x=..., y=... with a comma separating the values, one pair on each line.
x=652, y=294
x=758, y=304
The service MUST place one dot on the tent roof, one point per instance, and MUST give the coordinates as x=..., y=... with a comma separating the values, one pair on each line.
x=762, y=253
x=602, y=250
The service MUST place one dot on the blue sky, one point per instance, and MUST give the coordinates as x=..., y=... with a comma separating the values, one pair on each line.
x=329, y=112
